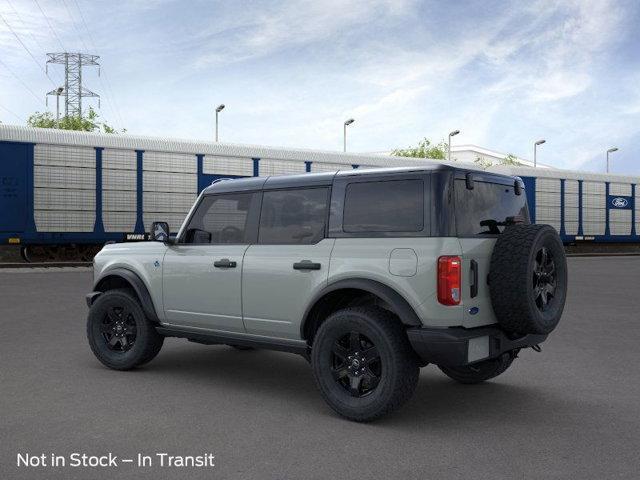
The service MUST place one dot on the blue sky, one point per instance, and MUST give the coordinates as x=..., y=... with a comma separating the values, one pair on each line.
x=290, y=72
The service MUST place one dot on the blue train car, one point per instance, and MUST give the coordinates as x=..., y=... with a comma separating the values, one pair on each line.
x=63, y=194
x=581, y=206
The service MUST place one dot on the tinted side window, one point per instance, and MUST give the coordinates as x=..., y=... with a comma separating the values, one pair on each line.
x=220, y=219
x=296, y=216
x=479, y=211
x=385, y=206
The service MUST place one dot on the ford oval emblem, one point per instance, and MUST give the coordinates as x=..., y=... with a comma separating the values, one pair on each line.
x=474, y=310
x=619, y=202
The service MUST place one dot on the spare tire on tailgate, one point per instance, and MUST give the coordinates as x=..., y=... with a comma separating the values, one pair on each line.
x=528, y=279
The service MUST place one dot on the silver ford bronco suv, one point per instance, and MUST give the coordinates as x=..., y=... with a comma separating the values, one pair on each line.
x=369, y=274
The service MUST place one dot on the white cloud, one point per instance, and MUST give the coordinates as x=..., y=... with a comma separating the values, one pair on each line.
x=260, y=32
x=291, y=72
x=558, y=85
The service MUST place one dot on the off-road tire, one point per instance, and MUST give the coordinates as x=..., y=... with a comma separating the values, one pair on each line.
x=515, y=275
x=148, y=341
x=479, y=372
x=398, y=363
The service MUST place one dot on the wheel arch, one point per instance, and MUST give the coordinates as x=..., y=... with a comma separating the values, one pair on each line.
x=321, y=303
x=124, y=278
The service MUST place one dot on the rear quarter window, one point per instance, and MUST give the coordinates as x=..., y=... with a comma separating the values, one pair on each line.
x=485, y=209
x=384, y=206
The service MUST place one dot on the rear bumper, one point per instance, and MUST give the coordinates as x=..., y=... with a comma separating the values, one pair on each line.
x=462, y=346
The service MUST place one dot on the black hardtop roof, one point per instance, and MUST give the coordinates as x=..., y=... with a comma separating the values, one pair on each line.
x=224, y=185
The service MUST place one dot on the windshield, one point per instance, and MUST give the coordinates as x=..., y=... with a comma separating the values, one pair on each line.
x=487, y=208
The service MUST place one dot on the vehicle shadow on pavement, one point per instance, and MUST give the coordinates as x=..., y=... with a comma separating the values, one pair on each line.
x=440, y=402
x=221, y=366
x=279, y=377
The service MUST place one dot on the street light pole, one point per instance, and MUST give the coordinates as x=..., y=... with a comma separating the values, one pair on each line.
x=535, y=152
x=451, y=134
x=59, y=90
x=611, y=150
x=219, y=108
x=344, y=136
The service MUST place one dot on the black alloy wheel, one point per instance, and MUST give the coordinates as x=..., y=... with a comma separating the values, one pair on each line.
x=356, y=364
x=119, y=333
x=363, y=363
x=118, y=329
x=544, y=279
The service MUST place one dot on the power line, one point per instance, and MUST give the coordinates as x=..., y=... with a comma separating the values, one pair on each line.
x=27, y=49
x=111, y=98
x=24, y=25
x=21, y=81
x=12, y=113
x=74, y=91
x=84, y=23
x=75, y=27
x=50, y=26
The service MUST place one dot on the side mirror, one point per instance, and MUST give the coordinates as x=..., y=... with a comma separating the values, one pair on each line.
x=517, y=186
x=160, y=231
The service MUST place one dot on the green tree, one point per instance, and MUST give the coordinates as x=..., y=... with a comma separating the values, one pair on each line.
x=425, y=149
x=510, y=159
x=87, y=123
x=484, y=163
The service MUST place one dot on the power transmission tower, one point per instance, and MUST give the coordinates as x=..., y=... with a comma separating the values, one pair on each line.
x=73, y=91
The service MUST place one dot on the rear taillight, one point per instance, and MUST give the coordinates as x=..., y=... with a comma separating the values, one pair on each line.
x=449, y=268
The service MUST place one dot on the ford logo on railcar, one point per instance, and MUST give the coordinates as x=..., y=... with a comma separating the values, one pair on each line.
x=619, y=202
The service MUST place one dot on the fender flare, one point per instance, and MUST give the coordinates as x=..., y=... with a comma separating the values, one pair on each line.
x=397, y=302
x=136, y=283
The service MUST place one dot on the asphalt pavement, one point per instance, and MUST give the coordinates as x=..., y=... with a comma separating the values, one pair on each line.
x=572, y=411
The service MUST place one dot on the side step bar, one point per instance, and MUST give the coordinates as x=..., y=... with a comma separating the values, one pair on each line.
x=218, y=338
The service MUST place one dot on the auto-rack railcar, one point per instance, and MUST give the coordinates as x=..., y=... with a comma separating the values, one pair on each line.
x=64, y=194
x=582, y=206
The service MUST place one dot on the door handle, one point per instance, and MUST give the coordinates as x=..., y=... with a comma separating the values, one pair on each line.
x=306, y=265
x=224, y=263
x=474, y=279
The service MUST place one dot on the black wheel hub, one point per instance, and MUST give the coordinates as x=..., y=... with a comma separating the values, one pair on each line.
x=118, y=329
x=356, y=365
x=544, y=279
